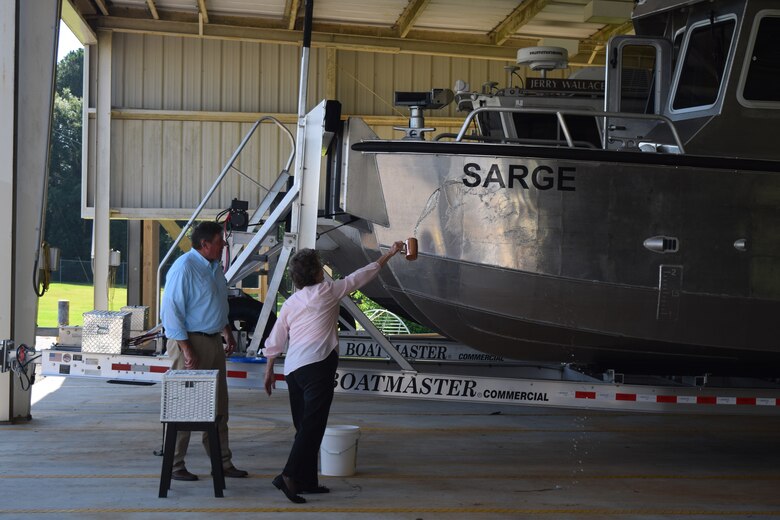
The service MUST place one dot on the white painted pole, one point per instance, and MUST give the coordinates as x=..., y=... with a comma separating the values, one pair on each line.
x=7, y=175
x=300, y=139
x=28, y=45
x=101, y=223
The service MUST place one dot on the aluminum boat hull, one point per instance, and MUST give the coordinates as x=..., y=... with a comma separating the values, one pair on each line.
x=540, y=254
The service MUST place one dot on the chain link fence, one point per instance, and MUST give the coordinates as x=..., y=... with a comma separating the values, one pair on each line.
x=80, y=271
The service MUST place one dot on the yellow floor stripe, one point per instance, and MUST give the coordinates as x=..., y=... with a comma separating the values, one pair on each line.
x=579, y=476
x=417, y=431
x=376, y=510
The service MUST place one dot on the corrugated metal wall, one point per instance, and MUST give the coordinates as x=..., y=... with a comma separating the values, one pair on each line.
x=175, y=73
x=161, y=168
x=366, y=81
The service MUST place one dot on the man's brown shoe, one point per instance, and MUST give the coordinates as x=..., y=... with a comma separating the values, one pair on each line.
x=234, y=472
x=183, y=474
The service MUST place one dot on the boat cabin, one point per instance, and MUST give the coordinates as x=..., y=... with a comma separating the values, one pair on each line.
x=699, y=77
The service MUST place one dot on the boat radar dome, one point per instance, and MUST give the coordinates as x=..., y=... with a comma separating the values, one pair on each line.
x=543, y=58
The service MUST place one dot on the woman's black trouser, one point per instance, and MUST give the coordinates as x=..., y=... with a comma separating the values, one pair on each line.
x=311, y=392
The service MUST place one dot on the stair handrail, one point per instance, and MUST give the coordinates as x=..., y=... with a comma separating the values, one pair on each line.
x=211, y=191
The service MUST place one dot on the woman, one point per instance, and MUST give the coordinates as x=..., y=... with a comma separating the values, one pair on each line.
x=308, y=318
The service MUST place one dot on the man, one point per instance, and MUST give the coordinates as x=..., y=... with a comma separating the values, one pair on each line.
x=195, y=317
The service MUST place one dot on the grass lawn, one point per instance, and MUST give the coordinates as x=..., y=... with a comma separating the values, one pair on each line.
x=80, y=298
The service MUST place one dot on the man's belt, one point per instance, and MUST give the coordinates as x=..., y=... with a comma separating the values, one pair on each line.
x=207, y=334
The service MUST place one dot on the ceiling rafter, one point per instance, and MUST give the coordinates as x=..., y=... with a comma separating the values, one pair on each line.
x=137, y=20
x=388, y=42
x=202, y=10
x=406, y=21
x=153, y=9
x=358, y=37
x=77, y=24
x=102, y=6
x=291, y=13
x=611, y=30
x=519, y=17
x=427, y=35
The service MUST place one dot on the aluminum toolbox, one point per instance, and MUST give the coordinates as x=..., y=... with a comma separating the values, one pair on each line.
x=105, y=332
x=139, y=316
x=189, y=396
x=69, y=336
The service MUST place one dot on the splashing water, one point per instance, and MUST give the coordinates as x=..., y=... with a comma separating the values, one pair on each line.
x=433, y=201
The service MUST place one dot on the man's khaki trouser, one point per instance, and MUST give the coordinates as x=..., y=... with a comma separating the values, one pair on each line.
x=211, y=356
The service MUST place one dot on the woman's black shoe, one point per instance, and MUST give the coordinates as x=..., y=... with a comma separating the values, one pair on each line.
x=314, y=490
x=279, y=484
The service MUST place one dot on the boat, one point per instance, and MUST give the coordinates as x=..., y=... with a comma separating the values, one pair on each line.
x=623, y=218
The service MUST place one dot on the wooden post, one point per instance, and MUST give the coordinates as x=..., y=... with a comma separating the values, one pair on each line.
x=331, y=65
x=263, y=282
x=151, y=260
x=134, y=266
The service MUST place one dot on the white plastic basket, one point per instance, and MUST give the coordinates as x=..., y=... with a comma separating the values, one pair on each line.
x=189, y=396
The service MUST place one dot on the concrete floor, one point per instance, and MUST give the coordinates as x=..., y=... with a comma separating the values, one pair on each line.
x=87, y=453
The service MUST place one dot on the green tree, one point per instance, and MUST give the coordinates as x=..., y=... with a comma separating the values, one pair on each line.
x=70, y=74
x=64, y=226
x=365, y=303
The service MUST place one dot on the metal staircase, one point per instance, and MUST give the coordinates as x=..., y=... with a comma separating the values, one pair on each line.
x=262, y=208
x=297, y=207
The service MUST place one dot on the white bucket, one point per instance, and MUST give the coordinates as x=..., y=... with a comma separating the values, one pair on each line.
x=338, y=451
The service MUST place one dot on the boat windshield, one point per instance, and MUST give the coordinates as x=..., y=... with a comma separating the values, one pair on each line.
x=704, y=67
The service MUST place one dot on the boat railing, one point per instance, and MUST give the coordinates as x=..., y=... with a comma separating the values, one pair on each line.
x=561, y=116
x=513, y=140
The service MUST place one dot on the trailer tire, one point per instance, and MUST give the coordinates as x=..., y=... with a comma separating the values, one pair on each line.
x=246, y=310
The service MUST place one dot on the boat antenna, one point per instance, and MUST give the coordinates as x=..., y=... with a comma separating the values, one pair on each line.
x=512, y=71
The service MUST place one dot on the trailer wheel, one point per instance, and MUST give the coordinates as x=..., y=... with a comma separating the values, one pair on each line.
x=243, y=314
x=345, y=315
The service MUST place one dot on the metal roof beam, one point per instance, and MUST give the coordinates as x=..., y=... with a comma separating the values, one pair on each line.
x=406, y=21
x=519, y=17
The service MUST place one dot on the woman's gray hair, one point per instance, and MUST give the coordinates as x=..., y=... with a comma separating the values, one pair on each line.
x=305, y=267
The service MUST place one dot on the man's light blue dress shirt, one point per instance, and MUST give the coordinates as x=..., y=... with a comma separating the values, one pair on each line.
x=195, y=297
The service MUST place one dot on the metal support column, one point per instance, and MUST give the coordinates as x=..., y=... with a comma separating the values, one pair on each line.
x=7, y=179
x=102, y=222
x=28, y=51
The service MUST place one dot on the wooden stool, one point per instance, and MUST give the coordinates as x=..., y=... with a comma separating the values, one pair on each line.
x=215, y=452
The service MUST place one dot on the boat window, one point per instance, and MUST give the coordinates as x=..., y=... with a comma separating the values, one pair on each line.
x=544, y=129
x=763, y=78
x=490, y=124
x=636, y=84
x=704, y=65
x=677, y=46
